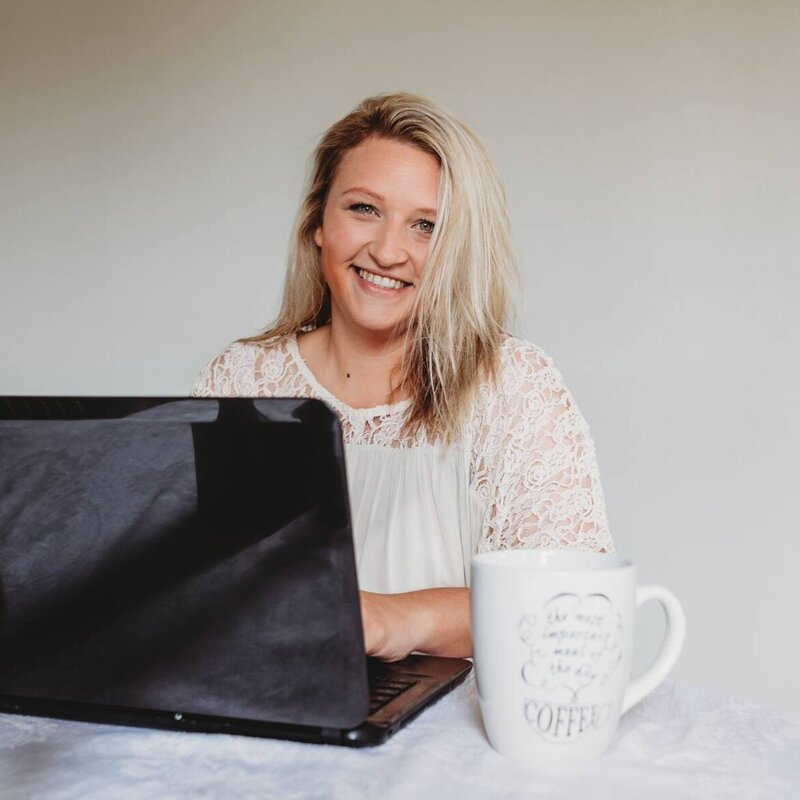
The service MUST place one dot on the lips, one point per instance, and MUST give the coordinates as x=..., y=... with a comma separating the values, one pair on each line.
x=379, y=280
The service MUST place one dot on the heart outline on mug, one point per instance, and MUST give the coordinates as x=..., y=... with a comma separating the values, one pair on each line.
x=567, y=639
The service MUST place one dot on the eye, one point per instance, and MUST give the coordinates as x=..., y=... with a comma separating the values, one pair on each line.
x=426, y=226
x=362, y=208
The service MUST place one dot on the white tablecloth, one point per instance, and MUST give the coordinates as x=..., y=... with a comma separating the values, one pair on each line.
x=681, y=742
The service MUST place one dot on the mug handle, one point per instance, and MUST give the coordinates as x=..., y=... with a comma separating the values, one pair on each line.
x=639, y=688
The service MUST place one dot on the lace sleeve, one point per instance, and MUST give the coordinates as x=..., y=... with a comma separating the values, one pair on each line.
x=230, y=374
x=533, y=461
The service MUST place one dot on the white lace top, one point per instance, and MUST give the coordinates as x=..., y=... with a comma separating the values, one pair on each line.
x=523, y=474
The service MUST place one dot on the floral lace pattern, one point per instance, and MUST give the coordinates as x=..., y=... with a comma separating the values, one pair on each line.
x=276, y=369
x=532, y=460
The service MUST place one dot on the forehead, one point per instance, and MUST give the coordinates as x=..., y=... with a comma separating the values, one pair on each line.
x=387, y=166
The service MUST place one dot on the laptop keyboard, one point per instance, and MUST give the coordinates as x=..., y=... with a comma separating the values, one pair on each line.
x=384, y=688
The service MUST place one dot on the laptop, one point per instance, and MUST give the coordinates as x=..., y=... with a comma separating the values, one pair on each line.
x=188, y=564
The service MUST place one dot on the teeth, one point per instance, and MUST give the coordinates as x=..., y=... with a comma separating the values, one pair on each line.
x=379, y=280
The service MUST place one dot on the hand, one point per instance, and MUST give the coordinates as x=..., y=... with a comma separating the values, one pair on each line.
x=434, y=621
x=392, y=625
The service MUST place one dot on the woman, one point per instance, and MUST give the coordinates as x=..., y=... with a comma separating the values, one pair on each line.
x=458, y=437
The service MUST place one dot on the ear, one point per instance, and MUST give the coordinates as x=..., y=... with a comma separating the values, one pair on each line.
x=318, y=236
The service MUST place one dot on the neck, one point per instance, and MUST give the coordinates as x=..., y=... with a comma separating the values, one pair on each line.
x=361, y=371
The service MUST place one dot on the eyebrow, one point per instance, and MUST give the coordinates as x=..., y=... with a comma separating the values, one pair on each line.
x=431, y=212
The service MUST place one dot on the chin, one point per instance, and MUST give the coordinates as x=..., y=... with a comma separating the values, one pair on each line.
x=380, y=327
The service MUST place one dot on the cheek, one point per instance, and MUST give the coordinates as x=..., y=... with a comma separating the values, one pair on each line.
x=336, y=254
x=420, y=255
x=340, y=241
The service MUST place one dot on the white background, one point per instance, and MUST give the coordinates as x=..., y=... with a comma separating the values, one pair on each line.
x=151, y=158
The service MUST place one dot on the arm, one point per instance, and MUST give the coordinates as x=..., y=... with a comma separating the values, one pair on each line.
x=434, y=621
x=534, y=461
x=535, y=465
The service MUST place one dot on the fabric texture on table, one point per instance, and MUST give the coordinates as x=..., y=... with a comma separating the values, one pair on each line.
x=681, y=742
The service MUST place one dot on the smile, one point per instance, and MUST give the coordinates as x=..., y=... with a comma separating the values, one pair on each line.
x=380, y=280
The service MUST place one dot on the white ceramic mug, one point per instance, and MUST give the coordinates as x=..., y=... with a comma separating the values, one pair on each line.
x=552, y=639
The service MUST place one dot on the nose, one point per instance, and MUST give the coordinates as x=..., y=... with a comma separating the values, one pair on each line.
x=388, y=247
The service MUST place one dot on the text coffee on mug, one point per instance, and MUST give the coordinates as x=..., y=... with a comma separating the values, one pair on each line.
x=552, y=641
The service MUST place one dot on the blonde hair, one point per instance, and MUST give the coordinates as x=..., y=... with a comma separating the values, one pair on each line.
x=460, y=313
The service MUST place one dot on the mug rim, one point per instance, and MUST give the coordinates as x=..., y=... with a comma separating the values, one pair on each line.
x=534, y=559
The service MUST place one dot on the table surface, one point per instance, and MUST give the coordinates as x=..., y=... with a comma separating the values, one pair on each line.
x=680, y=742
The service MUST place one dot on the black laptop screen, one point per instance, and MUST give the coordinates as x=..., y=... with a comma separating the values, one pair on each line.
x=190, y=554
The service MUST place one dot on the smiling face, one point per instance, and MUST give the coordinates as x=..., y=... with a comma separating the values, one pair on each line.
x=375, y=232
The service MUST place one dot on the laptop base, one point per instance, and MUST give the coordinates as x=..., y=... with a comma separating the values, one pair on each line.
x=375, y=730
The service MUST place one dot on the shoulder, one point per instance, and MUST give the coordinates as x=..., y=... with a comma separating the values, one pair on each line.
x=241, y=365
x=525, y=393
x=245, y=354
x=518, y=357
x=520, y=367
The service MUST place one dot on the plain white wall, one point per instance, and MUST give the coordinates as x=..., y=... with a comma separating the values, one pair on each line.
x=151, y=157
